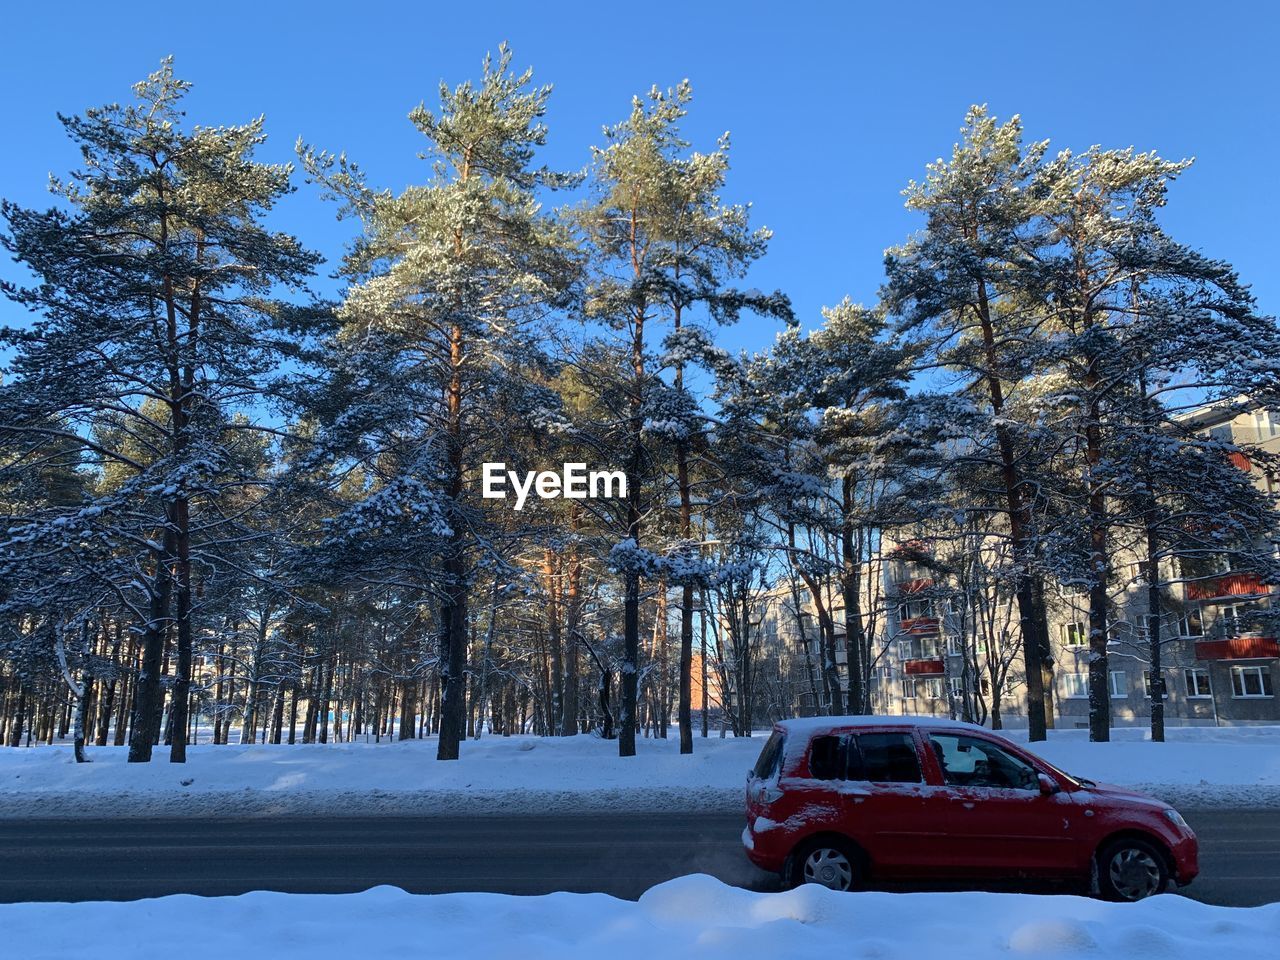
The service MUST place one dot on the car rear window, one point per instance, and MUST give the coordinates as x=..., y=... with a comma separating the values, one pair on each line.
x=877, y=757
x=770, y=757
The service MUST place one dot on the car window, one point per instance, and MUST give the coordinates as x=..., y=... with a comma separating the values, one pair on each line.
x=827, y=758
x=884, y=758
x=974, y=762
x=770, y=757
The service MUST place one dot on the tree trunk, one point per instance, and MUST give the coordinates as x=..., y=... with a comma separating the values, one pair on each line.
x=1099, y=687
x=851, y=590
x=572, y=620
x=147, y=700
x=551, y=573
x=1034, y=629
x=181, y=694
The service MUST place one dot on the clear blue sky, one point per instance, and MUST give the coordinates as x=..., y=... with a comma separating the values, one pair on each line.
x=832, y=107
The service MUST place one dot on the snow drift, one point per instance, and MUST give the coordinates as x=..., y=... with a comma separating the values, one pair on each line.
x=690, y=917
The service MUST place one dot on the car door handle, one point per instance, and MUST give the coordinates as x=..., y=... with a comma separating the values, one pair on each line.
x=967, y=804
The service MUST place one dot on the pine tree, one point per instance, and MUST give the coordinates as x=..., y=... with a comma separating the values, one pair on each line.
x=452, y=286
x=962, y=283
x=155, y=320
x=1125, y=304
x=665, y=245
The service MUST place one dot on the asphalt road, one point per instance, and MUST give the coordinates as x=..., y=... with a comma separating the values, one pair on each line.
x=621, y=854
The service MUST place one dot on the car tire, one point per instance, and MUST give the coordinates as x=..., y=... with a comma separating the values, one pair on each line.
x=828, y=861
x=1131, y=869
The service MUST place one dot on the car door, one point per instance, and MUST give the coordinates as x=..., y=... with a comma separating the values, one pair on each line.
x=1001, y=821
x=888, y=806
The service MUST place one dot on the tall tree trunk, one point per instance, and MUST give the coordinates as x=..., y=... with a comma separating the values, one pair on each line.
x=82, y=696
x=706, y=694
x=635, y=464
x=147, y=700
x=684, y=710
x=486, y=661
x=1099, y=686
x=851, y=589
x=1034, y=629
x=181, y=694
x=453, y=615
x=572, y=622
x=551, y=571
x=408, y=710
x=1151, y=562
x=293, y=712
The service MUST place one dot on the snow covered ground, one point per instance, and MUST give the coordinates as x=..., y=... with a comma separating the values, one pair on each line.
x=1199, y=766
x=689, y=917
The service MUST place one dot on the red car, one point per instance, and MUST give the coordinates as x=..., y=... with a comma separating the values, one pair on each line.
x=839, y=800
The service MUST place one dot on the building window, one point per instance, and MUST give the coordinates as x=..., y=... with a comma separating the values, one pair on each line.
x=1198, y=686
x=920, y=648
x=1191, y=624
x=1265, y=423
x=1074, y=634
x=915, y=609
x=1222, y=432
x=954, y=647
x=957, y=686
x=924, y=688
x=1118, y=683
x=1250, y=682
x=1146, y=686
x=1234, y=619
x=1075, y=686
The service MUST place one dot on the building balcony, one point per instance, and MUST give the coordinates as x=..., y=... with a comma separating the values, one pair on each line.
x=1227, y=585
x=915, y=585
x=910, y=548
x=1240, y=460
x=932, y=666
x=919, y=626
x=1238, y=648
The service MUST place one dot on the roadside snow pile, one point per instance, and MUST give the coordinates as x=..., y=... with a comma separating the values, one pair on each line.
x=1198, y=766
x=694, y=917
x=494, y=775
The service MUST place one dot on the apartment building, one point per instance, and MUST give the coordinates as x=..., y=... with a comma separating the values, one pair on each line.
x=942, y=647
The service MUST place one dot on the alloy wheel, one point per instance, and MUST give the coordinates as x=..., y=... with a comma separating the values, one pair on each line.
x=1134, y=873
x=829, y=867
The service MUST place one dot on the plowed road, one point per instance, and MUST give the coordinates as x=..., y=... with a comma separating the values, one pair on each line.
x=620, y=854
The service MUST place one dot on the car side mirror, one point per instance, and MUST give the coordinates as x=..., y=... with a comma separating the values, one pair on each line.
x=1048, y=786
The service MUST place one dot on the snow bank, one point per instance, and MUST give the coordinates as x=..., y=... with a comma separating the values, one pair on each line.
x=494, y=775
x=1195, y=766
x=1199, y=766
x=689, y=917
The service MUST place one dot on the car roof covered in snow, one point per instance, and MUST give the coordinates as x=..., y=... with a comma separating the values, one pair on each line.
x=817, y=726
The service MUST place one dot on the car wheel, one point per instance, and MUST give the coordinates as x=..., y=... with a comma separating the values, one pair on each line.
x=1131, y=869
x=824, y=861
